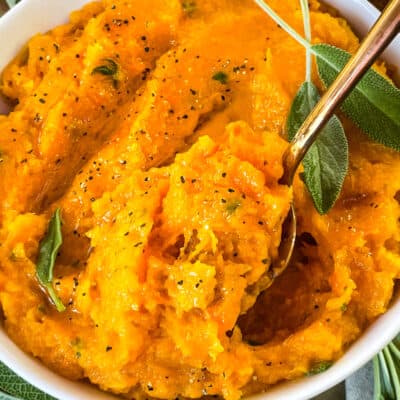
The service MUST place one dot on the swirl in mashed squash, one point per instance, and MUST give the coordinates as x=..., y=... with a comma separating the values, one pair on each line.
x=158, y=128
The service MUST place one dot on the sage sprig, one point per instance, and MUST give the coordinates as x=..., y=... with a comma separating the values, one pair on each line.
x=326, y=162
x=48, y=249
x=387, y=372
x=374, y=106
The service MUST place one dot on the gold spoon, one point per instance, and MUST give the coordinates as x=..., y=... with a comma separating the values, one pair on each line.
x=378, y=38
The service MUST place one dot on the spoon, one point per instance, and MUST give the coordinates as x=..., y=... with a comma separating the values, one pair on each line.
x=378, y=38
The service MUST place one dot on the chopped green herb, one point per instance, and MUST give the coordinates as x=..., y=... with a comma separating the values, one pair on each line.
x=221, y=77
x=319, y=367
x=48, y=249
x=343, y=308
x=109, y=68
x=232, y=206
x=189, y=6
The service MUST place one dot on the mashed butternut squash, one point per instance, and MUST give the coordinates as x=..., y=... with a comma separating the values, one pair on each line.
x=157, y=128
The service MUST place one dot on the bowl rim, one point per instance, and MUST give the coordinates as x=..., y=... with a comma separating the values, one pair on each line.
x=360, y=15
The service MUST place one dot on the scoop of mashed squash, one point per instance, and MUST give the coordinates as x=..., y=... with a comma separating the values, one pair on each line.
x=158, y=129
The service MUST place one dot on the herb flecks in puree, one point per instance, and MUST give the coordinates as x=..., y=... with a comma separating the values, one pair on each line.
x=157, y=129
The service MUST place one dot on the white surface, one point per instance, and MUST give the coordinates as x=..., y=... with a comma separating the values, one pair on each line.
x=32, y=16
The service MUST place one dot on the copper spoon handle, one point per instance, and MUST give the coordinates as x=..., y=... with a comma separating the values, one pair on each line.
x=379, y=37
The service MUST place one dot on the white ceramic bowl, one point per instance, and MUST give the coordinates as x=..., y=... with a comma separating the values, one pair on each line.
x=32, y=16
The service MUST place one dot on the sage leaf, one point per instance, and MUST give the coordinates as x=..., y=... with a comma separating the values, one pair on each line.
x=48, y=249
x=373, y=105
x=13, y=385
x=326, y=162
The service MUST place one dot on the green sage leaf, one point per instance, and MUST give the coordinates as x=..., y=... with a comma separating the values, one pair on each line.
x=374, y=104
x=13, y=385
x=326, y=162
x=47, y=256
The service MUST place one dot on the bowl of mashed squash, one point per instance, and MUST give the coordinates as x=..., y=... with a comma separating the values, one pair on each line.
x=155, y=131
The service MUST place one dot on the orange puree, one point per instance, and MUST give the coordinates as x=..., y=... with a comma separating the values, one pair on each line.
x=166, y=172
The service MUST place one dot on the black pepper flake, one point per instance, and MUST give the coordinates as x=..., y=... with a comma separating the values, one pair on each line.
x=180, y=283
x=183, y=179
x=126, y=233
x=108, y=348
x=41, y=100
x=265, y=261
x=147, y=49
x=137, y=244
x=229, y=333
x=149, y=387
x=223, y=201
x=224, y=174
x=230, y=190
